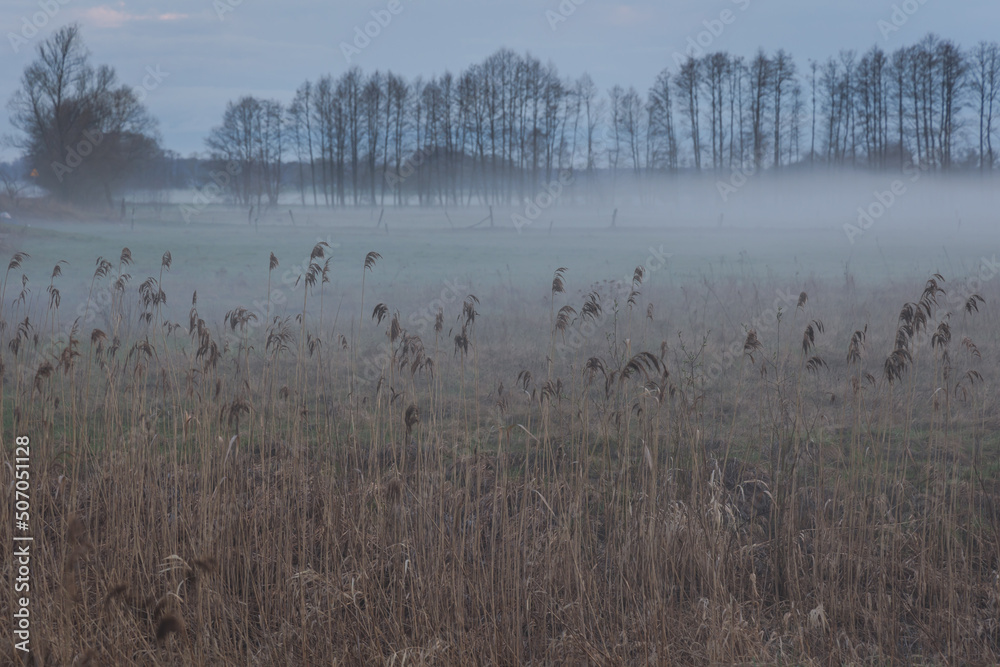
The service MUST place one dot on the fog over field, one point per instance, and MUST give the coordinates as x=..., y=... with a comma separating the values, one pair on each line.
x=876, y=227
x=574, y=333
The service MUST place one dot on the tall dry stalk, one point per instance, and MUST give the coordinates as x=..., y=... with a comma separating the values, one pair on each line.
x=627, y=508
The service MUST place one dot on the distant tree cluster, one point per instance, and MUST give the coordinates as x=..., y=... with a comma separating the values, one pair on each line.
x=82, y=133
x=508, y=128
x=501, y=129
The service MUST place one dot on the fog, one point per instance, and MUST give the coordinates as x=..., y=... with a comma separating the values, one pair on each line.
x=881, y=229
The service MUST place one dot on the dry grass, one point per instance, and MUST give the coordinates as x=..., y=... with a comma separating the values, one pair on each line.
x=556, y=486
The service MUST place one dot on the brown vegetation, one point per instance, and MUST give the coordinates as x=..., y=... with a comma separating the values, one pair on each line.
x=208, y=494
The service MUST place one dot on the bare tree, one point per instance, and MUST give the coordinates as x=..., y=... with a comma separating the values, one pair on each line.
x=349, y=90
x=372, y=107
x=662, y=137
x=899, y=66
x=953, y=70
x=501, y=127
x=782, y=75
x=615, y=96
x=760, y=87
x=870, y=100
x=716, y=73
x=813, y=68
x=271, y=148
x=928, y=87
x=300, y=127
x=397, y=97
x=251, y=136
x=11, y=184
x=986, y=86
x=632, y=127
x=738, y=75
x=593, y=111
x=81, y=130
x=795, y=124
x=234, y=142
x=323, y=114
x=688, y=82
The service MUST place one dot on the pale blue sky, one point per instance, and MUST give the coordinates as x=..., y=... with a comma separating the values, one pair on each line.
x=268, y=48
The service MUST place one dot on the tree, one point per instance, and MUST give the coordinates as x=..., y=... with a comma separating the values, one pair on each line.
x=398, y=92
x=373, y=105
x=688, y=82
x=813, y=66
x=251, y=137
x=501, y=127
x=663, y=153
x=632, y=126
x=953, y=70
x=82, y=131
x=271, y=149
x=12, y=183
x=349, y=90
x=833, y=87
x=900, y=63
x=301, y=129
x=870, y=98
x=586, y=91
x=760, y=87
x=716, y=66
x=322, y=113
x=782, y=74
x=738, y=74
x=615, y=96
x=986, y=86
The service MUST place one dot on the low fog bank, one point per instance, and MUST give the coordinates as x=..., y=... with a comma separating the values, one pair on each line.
x=855, y=203
x=837, y=199
x=837, y=228
x=908, y=201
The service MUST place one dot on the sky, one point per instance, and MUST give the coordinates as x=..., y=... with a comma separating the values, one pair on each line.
x=192, y=56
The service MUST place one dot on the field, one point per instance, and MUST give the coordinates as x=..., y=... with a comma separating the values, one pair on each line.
x=332, y=439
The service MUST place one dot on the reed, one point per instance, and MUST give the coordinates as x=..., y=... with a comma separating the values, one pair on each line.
x=560, y=484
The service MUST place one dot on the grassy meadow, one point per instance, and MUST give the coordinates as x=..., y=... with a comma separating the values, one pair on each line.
x=332, y=439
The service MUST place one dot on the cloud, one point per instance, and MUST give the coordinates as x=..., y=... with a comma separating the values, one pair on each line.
x=627, y=15
x=104, y=16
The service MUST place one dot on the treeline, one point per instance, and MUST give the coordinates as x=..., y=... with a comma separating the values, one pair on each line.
x=509, y=128
x=502, y=129
x=499, y=130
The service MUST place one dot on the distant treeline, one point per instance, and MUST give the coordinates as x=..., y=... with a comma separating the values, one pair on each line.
x=503, y=129
x=510, y=129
